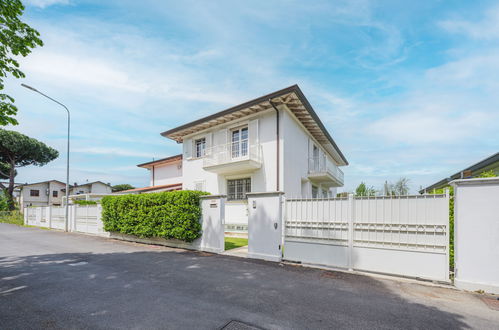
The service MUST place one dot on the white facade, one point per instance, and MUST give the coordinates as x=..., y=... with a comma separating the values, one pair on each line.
x=96, y=187
x=42, y=194
x=264, y=150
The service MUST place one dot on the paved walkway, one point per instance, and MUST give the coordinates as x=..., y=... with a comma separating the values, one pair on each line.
x=56, y=280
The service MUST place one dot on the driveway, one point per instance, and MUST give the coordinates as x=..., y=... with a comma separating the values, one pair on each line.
x=52, y=279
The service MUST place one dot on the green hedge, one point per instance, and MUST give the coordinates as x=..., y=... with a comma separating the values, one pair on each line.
x=85, y=202
x=172, y=214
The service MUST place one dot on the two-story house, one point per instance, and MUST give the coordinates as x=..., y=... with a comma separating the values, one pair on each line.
x=41, y=194
x=272, y=143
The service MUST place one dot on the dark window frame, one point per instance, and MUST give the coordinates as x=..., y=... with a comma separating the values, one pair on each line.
x=238, y=188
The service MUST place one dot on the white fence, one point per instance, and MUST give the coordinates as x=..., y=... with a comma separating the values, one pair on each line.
x=402, y=235
x=82, y=218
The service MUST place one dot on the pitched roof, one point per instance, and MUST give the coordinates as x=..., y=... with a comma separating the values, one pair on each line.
x=167, y=160
x=89, y=183
x=174, y=186
x=29, y=184
x=291, y=96
x=477, y=167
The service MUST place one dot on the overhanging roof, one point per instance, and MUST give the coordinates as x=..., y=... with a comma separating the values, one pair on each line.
x=480, y=166
x=291, y=96
x=162, y=161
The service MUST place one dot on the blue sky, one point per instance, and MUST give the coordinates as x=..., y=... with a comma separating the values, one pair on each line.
x=406, y=88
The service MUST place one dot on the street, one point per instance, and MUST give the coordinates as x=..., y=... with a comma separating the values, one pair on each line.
x=57, y=280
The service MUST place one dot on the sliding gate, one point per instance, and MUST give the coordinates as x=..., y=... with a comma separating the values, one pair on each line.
x=401, y=235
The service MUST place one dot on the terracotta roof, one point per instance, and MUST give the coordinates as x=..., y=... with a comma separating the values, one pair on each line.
x=174, y=186
x=166, y=160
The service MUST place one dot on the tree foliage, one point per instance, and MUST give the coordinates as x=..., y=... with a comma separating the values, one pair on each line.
x=487, y=174
x=363, y=190
x=16, y=39
x=122, y=187
x=19, y=150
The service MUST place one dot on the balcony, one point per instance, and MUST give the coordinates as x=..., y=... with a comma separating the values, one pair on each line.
x=233, y=158
x=322, y=171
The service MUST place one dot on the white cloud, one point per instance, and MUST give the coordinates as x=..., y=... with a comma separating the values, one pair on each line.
x=112, y=151
x=485, y=29
x=47, y=3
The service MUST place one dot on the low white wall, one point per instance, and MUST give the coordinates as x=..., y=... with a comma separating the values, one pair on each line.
x=87, y=219
x=265, y=225
x=476, y=234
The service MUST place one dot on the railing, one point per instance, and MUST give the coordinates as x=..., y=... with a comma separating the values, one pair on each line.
x=323, y=165
x=232, y=152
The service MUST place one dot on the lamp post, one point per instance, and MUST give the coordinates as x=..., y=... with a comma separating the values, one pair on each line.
x=67, y=157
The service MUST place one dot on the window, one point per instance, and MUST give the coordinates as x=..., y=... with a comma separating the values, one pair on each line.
x=34, y=192
x=55, y=193
x=239, y=145
x=237, y=189
x=200, y=147
x=315, y=192
x=199, y=185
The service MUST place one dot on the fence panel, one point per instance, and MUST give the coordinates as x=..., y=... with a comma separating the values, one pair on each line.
x=403, y=235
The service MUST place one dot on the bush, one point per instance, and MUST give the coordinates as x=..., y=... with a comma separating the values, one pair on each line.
x=172, y=214
x=4, y=204
x=84, y=202
x=451, y=222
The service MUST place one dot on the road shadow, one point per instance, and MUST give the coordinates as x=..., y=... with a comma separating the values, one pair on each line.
x=178, y=289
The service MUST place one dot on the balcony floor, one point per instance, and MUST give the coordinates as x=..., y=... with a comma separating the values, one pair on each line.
x=325, y=179
x=234, y=167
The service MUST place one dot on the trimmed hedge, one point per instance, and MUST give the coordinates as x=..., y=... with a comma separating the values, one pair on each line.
x=171, y=214
x=85, y=202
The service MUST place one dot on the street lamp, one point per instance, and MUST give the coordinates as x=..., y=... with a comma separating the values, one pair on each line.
x=67, y=164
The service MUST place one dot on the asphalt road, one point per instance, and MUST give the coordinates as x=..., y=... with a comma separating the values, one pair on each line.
x=58, y=280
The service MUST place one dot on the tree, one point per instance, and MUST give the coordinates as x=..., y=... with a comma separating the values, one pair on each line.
x=123, y=186
x=487, y=174
x=19, y=150
x=363, y=190
x=401, y=187
x=16, y=38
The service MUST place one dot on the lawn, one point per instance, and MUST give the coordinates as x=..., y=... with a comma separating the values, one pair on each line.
x=13, y=217
x=235, y=242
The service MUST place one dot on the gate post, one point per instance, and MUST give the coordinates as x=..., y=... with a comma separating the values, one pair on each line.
x=213, y=224
x=265, y=225
x=351, y=216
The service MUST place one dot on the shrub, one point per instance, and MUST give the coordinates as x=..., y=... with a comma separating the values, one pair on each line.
x=172, y=214
x=451, y=222
x=84, y=202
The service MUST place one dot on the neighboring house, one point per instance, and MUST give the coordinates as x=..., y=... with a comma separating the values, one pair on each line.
x=96, y=187
x=273, y=143
x=488, y=164
x=41, y=194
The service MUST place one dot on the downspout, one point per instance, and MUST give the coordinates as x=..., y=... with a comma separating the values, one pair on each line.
x=152, y=176
x=278, y=142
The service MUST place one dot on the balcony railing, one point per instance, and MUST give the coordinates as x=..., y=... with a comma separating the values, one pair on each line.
x=322, y=165
x=231, y=153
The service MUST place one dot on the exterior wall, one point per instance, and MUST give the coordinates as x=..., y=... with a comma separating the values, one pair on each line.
x=100, y=188
x=476, y=233
x=166, y=174
x=298, y=149
x=46, y=194
x=263, y=179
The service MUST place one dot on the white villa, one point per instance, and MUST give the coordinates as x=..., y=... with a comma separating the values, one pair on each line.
x=273, y=143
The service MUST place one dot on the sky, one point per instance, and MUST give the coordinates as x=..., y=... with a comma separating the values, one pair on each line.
x=406, y=88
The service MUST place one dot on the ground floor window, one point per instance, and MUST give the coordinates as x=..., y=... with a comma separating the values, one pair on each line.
x=238, y=188
x=315, y=192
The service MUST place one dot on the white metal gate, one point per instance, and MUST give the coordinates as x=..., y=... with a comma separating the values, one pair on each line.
x=403, y=235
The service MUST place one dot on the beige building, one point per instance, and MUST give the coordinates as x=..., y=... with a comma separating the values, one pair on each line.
x=41, y=193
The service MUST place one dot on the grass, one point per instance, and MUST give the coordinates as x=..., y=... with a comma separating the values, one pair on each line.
x=235, y=242
x=14, y=217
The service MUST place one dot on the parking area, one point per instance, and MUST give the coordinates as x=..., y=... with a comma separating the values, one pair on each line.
x=51, y=279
